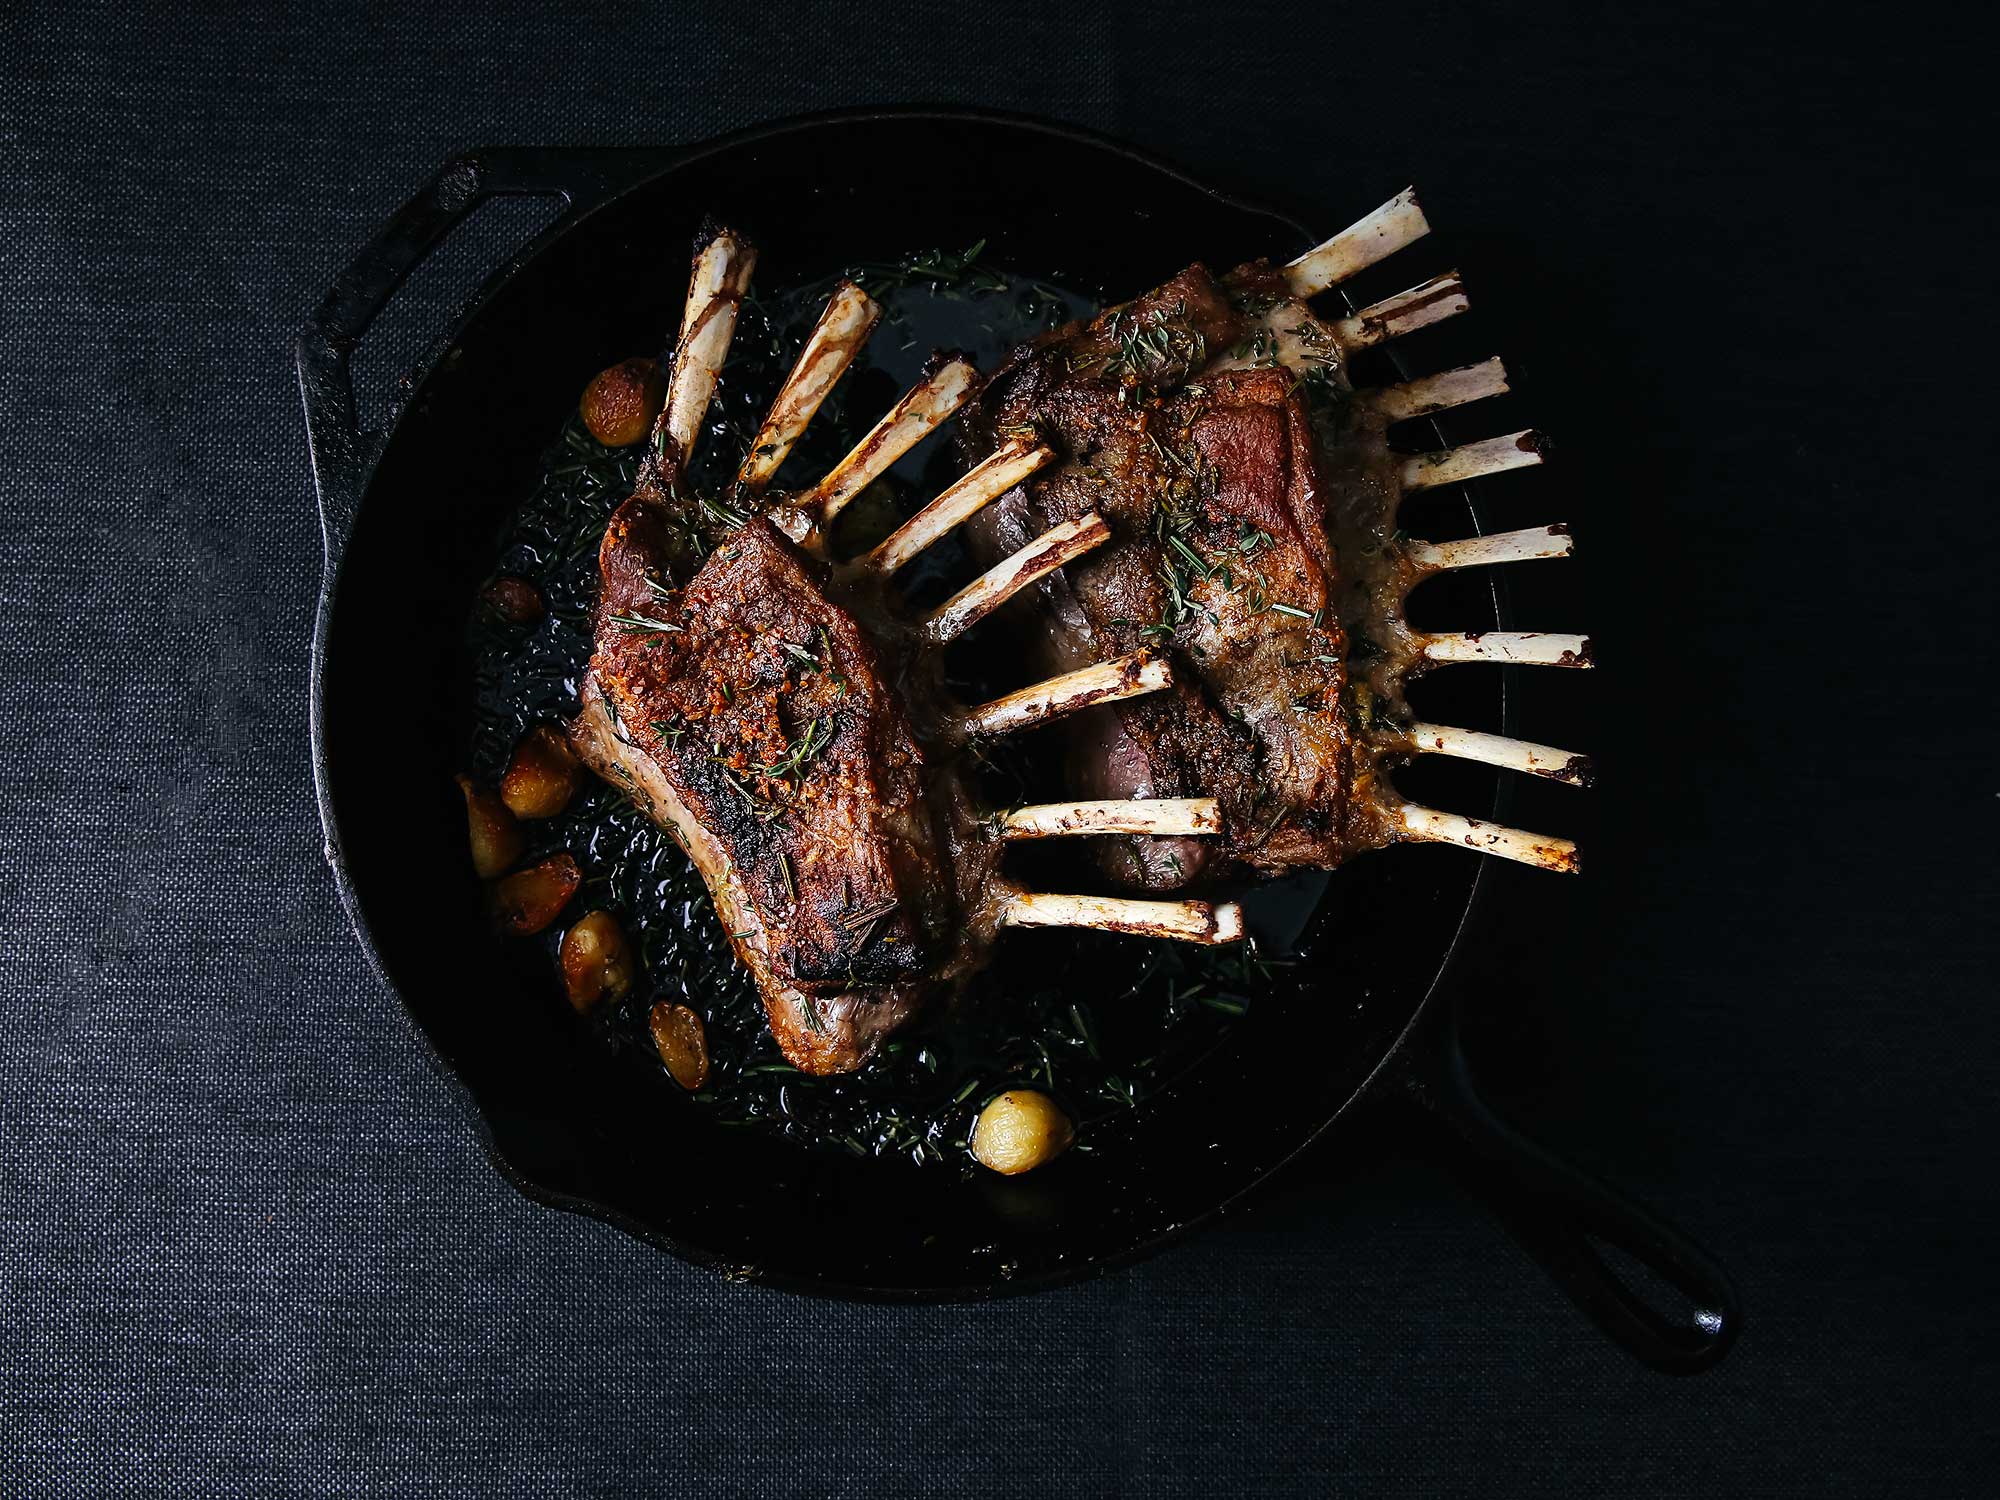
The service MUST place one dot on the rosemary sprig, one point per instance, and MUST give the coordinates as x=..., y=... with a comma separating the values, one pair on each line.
x=720, y=514
x=639, y=623
x=874, y=911
x=1260, y=348
x=1082, y=1028
x=941, y=270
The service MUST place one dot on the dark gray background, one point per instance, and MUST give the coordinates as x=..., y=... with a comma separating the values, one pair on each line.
x=249, y=1244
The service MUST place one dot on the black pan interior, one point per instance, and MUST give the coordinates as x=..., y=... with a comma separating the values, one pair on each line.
x=566, y=1121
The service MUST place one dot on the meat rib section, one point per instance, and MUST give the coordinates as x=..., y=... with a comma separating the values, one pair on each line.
x=1182, y=419
x=754, y=715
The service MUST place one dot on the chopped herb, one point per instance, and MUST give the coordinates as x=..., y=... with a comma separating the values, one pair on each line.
x=761, y=808
x=791, y=766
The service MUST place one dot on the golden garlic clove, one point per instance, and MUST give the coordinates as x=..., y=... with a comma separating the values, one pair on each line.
x=529, y=900
x=596, y=961
x=542, y=776
x=1019, y=1130
x=495, y=837
x=682, y=1042
x=620, y=404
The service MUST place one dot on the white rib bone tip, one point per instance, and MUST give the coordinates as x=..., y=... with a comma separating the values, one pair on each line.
x=1531, y=648
x=1439, y=392
x=1498, y=750
x=1004, y=469
x=1184, y=921
x=1516, y=450
x=1501, y=547
x=1038, y=703
x=1431, y=826
x=978, y=599
x=1397, y=223
x=923, y=409
x=1153, y=815
x=708, y=322
x=843, y=328
x=1431, y=302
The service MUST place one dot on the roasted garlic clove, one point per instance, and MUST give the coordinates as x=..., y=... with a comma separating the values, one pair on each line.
x=682, y=1042
x=596, y=961
x=495, y=837
x=1019, y=1130
x=620, y=404
x=529, y=900
x=542, y=776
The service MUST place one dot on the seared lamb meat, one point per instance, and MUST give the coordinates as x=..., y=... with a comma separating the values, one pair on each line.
x=752, y=714
x=1212, y=480
x=1251, y=495
x=1204, y=541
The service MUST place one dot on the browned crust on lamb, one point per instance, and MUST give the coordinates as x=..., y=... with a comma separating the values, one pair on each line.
x=1215, y=485
x=753, y=714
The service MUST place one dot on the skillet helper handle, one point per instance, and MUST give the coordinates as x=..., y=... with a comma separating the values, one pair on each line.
x=1555, y=1210
x=341, y=451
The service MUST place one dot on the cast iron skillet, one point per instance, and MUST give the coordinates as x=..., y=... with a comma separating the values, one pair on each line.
x=410, y=511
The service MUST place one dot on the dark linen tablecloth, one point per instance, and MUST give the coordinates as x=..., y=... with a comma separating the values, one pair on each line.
x=249, y=1245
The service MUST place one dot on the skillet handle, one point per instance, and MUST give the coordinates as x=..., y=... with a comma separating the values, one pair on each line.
x=342, y=452
x=1554, y=1210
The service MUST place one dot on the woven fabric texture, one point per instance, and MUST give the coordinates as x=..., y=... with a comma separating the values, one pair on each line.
x=250, y=1245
